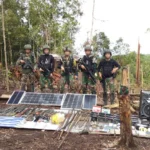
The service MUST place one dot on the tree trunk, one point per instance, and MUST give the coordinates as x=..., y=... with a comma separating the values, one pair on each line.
x=125, y=113
x=5, y=53
x=1, y=53
x=46, y=35
x=10, y=51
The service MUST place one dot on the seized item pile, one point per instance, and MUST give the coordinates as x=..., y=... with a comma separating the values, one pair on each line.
x=76, y=113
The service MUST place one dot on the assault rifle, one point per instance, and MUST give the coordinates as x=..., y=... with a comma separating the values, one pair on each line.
x=87, y=70
x=27, y=64
x=67, y=70
x=47, y=72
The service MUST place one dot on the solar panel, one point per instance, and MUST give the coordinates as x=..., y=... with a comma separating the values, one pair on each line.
x=89, y=101
x=15, y=97
x=72, y=101
x=42, y=99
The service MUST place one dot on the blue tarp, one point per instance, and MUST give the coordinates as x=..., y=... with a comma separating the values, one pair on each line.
x=10, y=122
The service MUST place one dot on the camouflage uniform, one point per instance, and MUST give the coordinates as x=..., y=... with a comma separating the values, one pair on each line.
x=88, y=86
x=107, y=81
x=46, y=82
x=46, y=63
x=67, y=82
x=108, y=84
x=27, y=79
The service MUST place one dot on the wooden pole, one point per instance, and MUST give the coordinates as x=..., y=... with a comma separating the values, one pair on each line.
x=5, y=53
x=92, y=20
x=129, y=86
x=125, y=113
x=138, y=65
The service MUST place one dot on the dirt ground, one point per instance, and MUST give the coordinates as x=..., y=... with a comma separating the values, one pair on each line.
x=14, y=139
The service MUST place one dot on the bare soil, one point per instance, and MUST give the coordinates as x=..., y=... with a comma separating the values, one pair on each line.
x=13, y=139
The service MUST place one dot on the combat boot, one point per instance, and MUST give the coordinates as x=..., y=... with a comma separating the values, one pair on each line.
x=112, y=98
x=105, y=98
x=84, y=89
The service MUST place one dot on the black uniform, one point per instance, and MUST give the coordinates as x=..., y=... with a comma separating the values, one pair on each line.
x=46, y=63
x=106, y=67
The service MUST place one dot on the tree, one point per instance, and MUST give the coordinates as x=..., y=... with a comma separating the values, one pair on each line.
x=39, y=22
x=121, y=47
x=5, y=53
x=125, y=113
x=15, y=28
x=101, y=42
x=57, y=22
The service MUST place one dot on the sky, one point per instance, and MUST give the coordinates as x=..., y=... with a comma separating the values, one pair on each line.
x=128, y=19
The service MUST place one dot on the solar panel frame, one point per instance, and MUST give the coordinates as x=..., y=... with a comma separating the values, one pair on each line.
x=15, y=101
x=69, y=108
x=42, y=102
x=83, y=107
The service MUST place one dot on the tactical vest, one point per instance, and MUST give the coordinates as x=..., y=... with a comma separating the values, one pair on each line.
x=88, y=60
x=28, y=66
x=27, y=59
x=69, y=64
x=107, y=67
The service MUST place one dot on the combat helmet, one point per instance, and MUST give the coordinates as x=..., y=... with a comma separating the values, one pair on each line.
x=46, y=47
x=107, y=51
x=27, y=46
x=67, y=49
x=88, y=47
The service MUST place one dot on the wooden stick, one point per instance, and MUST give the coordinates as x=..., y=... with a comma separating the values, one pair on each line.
x=69, y=129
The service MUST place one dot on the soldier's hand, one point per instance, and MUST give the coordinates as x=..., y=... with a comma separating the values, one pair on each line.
x=22, y=61
x=100, y=75
x=41, y=70
x=114, y=70
x=83, y=67
x=76, y=77
x=51, y=75
x=62, y=68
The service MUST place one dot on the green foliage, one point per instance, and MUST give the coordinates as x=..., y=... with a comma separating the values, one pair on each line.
x=130, y=60
x=39, y=22
x=100, y=42
x=121, y=47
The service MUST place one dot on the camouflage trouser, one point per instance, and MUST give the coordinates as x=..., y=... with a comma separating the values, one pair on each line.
x=27, y=82
x=108, y=83
x=67, y=83
x=45, y=82
x=88, y=86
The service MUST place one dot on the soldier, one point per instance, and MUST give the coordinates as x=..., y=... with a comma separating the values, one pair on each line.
x=88, y=85
x=46, y=65
x=69, y=71
x=27, y=61
x=107, y=70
